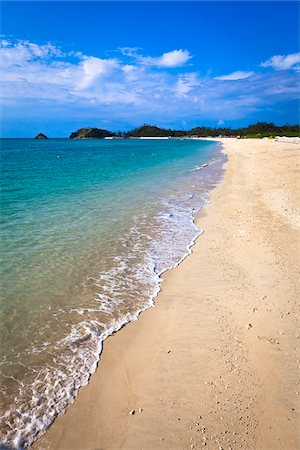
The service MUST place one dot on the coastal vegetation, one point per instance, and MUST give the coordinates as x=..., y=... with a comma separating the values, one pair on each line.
x=258, y=130
x=91, y=133
x=153, y=131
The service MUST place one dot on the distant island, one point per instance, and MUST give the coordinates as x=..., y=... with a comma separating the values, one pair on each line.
x=91, y=133
x=258, y=130
x=41, y=136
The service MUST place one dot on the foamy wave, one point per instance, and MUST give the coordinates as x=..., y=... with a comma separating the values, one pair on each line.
x=129, y=287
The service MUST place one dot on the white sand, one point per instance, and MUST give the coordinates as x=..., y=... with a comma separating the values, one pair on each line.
x=216, y=363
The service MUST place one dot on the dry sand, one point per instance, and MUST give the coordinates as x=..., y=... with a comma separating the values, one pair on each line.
x=216, y=363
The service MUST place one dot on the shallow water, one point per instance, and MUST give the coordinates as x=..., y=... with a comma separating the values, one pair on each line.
x=87, y=229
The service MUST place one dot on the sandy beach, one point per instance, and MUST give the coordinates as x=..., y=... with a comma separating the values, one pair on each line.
x=216, y=363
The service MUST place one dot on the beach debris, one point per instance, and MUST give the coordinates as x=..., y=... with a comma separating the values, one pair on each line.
x=192, y=446
x=132, y=412
x=270, y=340
x=249, y=326
x=169, y=351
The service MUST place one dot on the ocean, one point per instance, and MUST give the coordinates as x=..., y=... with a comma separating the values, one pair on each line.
x=87, y=229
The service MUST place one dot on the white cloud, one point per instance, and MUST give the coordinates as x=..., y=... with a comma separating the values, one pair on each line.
x=175, y=58
x=220, y=123
x=42, y=79
x=4, y=43
x=283, y=62
x=185, y=84
x=20, y=52
x=94, y=68
x=130, y=51
x=128, y=68
x=239, y=75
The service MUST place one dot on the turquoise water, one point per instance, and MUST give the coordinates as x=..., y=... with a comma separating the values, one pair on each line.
x=87, y=227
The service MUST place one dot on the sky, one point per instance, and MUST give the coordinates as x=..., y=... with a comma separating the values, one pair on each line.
x=118, y=65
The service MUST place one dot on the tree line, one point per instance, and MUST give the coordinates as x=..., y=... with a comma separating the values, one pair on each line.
x=260, y=129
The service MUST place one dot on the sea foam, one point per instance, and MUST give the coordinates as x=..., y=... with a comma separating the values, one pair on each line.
x=154, y=244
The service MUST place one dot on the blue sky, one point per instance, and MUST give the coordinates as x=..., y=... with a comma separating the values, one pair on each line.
x=116, y=65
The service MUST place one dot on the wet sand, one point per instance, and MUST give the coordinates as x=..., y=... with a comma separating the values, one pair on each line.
x=216, y=363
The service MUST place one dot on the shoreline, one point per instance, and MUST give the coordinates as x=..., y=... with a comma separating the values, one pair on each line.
x=176, y=218
x=181, y=359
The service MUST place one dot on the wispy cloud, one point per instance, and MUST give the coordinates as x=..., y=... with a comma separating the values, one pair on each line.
x=130, y=86
x=175, y=58
x=25, y=50
x=239, y=75
x=186, y=83
x=129, y=51
x=283, y=62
